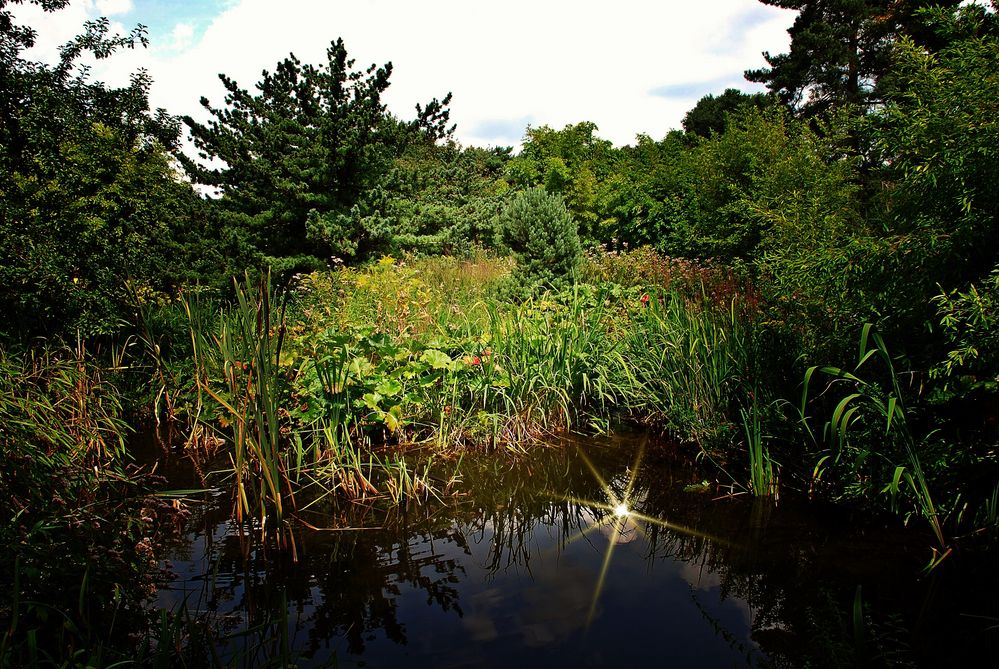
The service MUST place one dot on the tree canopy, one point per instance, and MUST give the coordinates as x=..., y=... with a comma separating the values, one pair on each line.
x=710, y=114
x=840, y=49
x=88, y=194
x=305, y=156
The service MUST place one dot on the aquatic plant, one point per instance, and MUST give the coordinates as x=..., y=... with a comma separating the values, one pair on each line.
x=69, y=492
x=762, y=474
x=688, y=361
x=893, y=462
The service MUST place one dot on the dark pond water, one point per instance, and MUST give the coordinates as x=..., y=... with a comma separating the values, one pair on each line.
x=532, y=566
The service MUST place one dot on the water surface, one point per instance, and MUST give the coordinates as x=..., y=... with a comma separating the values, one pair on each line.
x=536, y=563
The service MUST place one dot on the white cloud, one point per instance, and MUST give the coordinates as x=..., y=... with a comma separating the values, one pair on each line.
x=113, y=7
x=554, y=62
x=182, y=36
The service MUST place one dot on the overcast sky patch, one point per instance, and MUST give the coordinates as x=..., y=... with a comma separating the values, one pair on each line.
x=501, y=132
x=552, y=63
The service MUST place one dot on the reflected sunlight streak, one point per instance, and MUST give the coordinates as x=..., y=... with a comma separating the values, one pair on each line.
x=622, y=518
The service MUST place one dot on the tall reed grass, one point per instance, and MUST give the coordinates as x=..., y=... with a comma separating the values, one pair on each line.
x=688, y=360
x=892, y=461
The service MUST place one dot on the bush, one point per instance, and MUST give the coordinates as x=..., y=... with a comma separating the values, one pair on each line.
x=544, y=239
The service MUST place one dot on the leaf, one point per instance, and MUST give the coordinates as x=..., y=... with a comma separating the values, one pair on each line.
x=393, y=418
x=371, y=400
x=436, y=359
x=389, y=387
x=360, y=368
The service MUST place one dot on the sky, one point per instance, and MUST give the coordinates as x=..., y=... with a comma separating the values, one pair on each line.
x=630, y=66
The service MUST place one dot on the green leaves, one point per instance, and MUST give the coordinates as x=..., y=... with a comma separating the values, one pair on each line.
x=437, y=359
x=306, y=155
x=89, y=194
x=543, y=236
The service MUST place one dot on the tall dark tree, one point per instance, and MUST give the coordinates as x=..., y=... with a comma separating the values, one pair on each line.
x=840, y=49
x=305, y=157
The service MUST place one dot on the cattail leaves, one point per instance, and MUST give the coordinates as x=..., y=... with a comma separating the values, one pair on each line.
x=886, y=450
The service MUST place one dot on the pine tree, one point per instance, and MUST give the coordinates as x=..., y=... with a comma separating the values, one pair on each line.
x=544, y=239
x=840, y=49
x=305, y=155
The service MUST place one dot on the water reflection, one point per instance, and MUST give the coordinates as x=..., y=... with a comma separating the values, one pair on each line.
x=538, y=563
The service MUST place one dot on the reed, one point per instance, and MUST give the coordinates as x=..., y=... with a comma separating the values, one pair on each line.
x=688, y=362
x=560, y=368
x=762, y=474
x=238, y=366
x=895, y=457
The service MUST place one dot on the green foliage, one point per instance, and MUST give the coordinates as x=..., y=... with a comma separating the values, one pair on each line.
x=445, y=198
x=304, y=159
x=935, y=143
x=839, y=51
x=762, y=474
x=688, y=360
x=571, y=163
x=88, y=195
x=644, y=200
x=77, y=532
x=897, y=463
x=766, y=181
x=246, y=352
x=970, y=325
x=542, y=234
x=710, y=115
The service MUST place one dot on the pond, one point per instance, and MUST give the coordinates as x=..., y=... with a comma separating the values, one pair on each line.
x=587, y=553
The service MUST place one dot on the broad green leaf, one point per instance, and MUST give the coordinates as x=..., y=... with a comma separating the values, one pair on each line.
x=360, y=368
x=436, y=359
x=371, y=400
x=389, y=388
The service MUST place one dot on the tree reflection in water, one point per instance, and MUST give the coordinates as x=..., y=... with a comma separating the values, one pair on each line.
x=521, y=567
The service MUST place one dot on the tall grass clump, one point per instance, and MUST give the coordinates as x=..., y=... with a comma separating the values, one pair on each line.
x=299, y=419
x=239, y=367
x=868, y=439
x=78, y=533
x=404, y=298
x=560, y=367
x=689, y=360
x=762, y=471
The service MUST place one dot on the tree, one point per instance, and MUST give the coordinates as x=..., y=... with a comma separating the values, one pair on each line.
x=710, y=114
x=840, y=49
x=644, y=200
x=935, y=145
x=570, y=162
x=305, y=158
x=540, y=231
x=445, y=198
x=88, y=195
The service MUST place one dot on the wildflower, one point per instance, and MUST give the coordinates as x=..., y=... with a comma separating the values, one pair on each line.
x=644, y=300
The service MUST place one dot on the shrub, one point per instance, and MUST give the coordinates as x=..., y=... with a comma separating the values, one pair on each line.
x=544, y=239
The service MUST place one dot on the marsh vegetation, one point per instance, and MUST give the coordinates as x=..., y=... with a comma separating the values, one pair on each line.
x=380, y=367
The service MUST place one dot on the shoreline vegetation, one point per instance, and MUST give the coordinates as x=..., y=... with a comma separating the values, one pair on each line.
x=805, y=299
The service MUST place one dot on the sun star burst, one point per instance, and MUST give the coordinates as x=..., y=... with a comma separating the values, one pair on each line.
x=620, y=519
